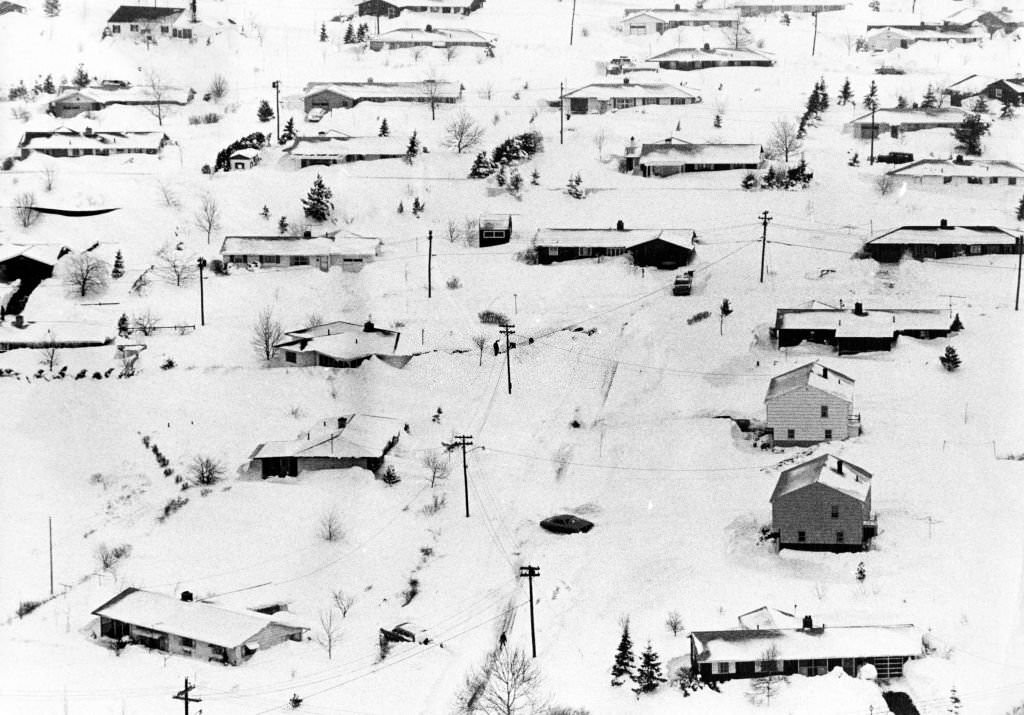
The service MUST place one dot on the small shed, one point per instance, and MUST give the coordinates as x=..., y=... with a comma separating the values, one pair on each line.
x=244, y=159
x=495, y=229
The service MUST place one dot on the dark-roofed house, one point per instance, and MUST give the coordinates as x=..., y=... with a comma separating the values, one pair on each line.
x=673, y=155
x=810, y=404
x=897, y=122
x=960, y=172
x=73, y=101
x=67, y=142
x=495, y=229
x=661, y=247
x=823, y=504
x=354, y=440
x=940, y=241
x=859, y=329
x=339, y=344
x=994, y=21
x=698, y=58
x=342, y=95
x=600, y=97
x=149, y=21
x=1008, y=90
x=739, y=653
x=193, y=628
x=394, y=8
x=349, y=251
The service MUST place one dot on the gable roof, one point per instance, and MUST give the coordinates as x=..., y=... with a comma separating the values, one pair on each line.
x=361, y=436
x=329, y=245
x=813, y=374
x=46, y=253
x=343, y=340
x=710, y=53
x=966, y=167
x=668, y=15
x=745, y=645
x=385, y=90
x=612, y=238
x=608, y=90
x=6, y=7
x=828, y=470
x=937, y=234
x=970, y=84
x=143, y=13
x=676, y=151
x=945, y=116
x=200, y=621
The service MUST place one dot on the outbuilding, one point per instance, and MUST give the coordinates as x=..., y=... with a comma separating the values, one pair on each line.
x=810, y=404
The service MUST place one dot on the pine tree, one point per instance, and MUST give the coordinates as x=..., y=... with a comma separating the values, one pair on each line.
x=385, y=130
x=401, y=207
x=648, y=675
x=50, y=89
x=288, y=133
x=846, y=93
x=390, y=476
x=968, y=134
x=501, y=177
x=362, y=32
x=282, y=226
x=515, y=183
x=575, y=187
x=264, y=113
x=81, y=77
x=350, y=35
x=950, y=360
x=482, y=167
x=412, y=149
x=902, y=103
x=317, y=204
x=535, y=180
x=861, y=573
x=957, y=326
x=624, y=658
x=929, y=101
x=871, y=98
x=417, y=207
x=981, y=105
x=718, y=121
x=1020, y=209
x=265, y=213
x=822, y=89
x=51, y=8
x=801, y=130
x=123, y=328
x=118, y=270
x=1006, y=111
x=323, y=32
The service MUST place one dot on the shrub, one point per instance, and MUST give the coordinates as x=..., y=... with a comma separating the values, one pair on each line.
x=208, y=118
x=492, y=317
x=435, y=506
x=411, y=592
x=527, y=256
x=206, y=470
x=8, y=164
x=390, y=476
x=172, y=506
x=26, y=607
x=453, y=283
x=110, y=555
x=697, y=317
x=329, y=528
x=219, y=267
x=167, y=364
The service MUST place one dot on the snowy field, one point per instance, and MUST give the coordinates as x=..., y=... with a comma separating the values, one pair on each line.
x=620, y=421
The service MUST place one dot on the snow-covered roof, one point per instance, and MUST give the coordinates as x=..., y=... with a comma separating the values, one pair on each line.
x=628, y=89
x=495, y=221
x=385, y=90
x=6, y=7
x=695, y=16
x=928, y=34
x=945, y=235
x=788, y=4
x=767, y=617
x=145, y=13
x=47, y=253
x=901, y=319
x=439, y=35
x=710, y=54
x=972, y=84
x=675, y=152
x=361, y=436
x=826, y=469
x=317, y=148
x=126, y=95
x=415, y=4
x=813, y=374
x=946, y=116
x=295, y=246
x=65, y=139
x=949, y=167
x=611, y=237
x=744, y=645
x=248, y=153
x=199, y=621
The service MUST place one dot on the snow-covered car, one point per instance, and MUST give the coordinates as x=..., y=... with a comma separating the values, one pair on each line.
x=316, y=114
x=567, y=524
x=405, y=633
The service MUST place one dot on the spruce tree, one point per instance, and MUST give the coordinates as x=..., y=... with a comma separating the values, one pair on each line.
x=950, y=360
x=51, y=8
x=362, y=32
x=902, y=103
x=929, y=101
x=648, y=675
x=575, y=187
x=823, y=100
x=317, y=204
x=846, y=93
x=282, y=226
x=401, y=207
x=390, y=476
x=417, y=207
x=385, y=130
x=48, y=85
x=482, y=167
x=957, y=325
x=323, y=32
x=1020, y=209
x=718, y=121
x=350, y=35
x=412, y=149
x=535, y=180
x=118, y=270
x=968, y=134
x=980, y=105
x=264, y=113
x=81, y=77
x=624, y=658
x=515, y=183
x=265, y=213
x=288, y=133
x=501, y=177
x=871, y=98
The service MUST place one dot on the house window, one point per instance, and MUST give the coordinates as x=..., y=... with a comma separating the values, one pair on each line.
x=767, y=666
x=722, y=669
x=839, y=537
x=824, y=410
x=270, y=259
x=553, y=251
x=133, y=28
x=835, y=511
x=828, y=434
x=801, y=537
x=585, y=251
x=974, y=250
x=973, y=179
x=494, y=234
x=300, y=260
x=791, y=434
x=998, y=93
x=187, y=33
x=289, y=357
x=115, y=29
x=164, y=29
x=947, y=179
x=187, y=642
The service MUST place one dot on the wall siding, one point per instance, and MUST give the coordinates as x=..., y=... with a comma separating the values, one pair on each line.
x=801, y=410
x=809, y=510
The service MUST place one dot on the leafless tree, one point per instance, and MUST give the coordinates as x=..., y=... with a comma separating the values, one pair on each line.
x=266, y=333
x=488, y=91
x=437, y=464
x=146, y=322
x=767, y=664
x=206, y=470
x=330, y=630
x=329, y=527
x=784, y=140
x=168, y=194
x=49, y=354
x=342, y=601
x=453, y=230
x=85, y=275
x=738, y=33
x=451, y=52
x=218, y=87
x=207, y=218
x=513, y=685
x=480, y=341
x=432, y=89
x=600, y=139
x=314, y=319
x=176, y=265
x=674, y=622
x=24, y=209
x=470, y=226
x=885, y=184
x=463, y=132
x=49, y=177
x=155, y=90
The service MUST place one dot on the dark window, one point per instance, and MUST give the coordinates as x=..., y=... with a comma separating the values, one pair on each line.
x=289, y=357
x=993, y=180
x=828, y=434
x=835, y=511
x=1012, y=181
x=116, y=29
x=947, y=179
x=839, y=537
x=801, y=536
x=134, y=28
x=164, y=29
x=722, y=668
x=300, y=260
x=791, y=434
x=187, y=642
x=973, y=179
x=270, y=259
x=824, y=410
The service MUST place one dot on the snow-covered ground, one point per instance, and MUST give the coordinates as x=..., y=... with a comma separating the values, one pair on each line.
x=618, y=422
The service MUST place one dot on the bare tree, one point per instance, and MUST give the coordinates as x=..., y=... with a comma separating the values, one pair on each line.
x=329, y=526
x=674, y=622
x=314, y=319
x=218, y=87
x=768, y=664
x=24, y=209
x=330, y=630
x=600, y=139
x=885, y=184
x=155, y=90
x=451, y=52
x=784, y=140
x=176, y=265
x=437, y=465
x=432, y=90
x=513, y=686
x=49, y=177
x=146, y=322
x=49, y=354
x=168, y=194
x=463, y=132
x=85, y=275
x=206, y=470
x=480, y=341
x=342, y=601
x=207, y=218
x=266, y=334
x=738, y=33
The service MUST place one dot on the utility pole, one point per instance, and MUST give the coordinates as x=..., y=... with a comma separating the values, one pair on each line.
x=201, y=262
x=465, y=440
x=184, y=695
x=1020, y=249
x=507, y=330
x=871, y=156
x=277, y=105
x=572, y=23
x=561, y=112
x=531, y=572
x=50, y=525
x=765, y=218
x=430, y=256
x=814, y=42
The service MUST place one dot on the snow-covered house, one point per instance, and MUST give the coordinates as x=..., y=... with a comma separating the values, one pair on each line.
x=960, y=172
x=748, y=8
x=243, y=159
x=151, y=21
x=353, y=440
x=859, y=329
x=661, y=247
x=897, y=122
x=600, y=97
x=892, y=38
x=823, y=504
x=810, y=650
x=335, y=95
x=394, y=8
x=810, y=404
x=1002, y=21
x=1008, y=90
x=940, y=241
x=333, y=149
x=350, y=251
x=193, y=628
x=68, y=142
x=439, y=37
x=697, y=58
x=494, y=229
x=339, y=344
x=29, y=261
x=73, y=100
x=8, y=7
x=673, y=155
x=658, y=20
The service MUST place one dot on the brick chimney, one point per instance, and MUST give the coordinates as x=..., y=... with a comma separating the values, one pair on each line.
x=186, y=596
x=943, y=223
x=620, y=225
x=858, y=308
x=808, y=623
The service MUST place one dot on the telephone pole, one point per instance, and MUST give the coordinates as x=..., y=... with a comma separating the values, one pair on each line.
x=561, y=112
x=814, y=42
x=871, y=156
x=184, y=695
x=765, y=218
x=201, y=263
x=572, y=22
x=507, y=330
x=1020, y=249
x=465, y=440
x=531, y=572
x=430, y=256
x=50, y=525
x=276, y=84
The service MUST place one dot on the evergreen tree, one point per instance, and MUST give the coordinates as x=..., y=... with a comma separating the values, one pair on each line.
x=929, y=101
x=50, y=89
x=861, y=573
x=317, y=204
x=871, y=98
x=1006, y=111
x=718, y=121
x=950, y=360
x=385, y=130
x=390, y=476
x=846, y=93
x=123, y=328
x=81, y=77
x=575, y=187
x=648, y=675
x=501, y=177
x=515, y=183
x=412, y=149
x=51, y=8
x=288, y=133
x=118, y=270
x=323, y=32
x=282, y=226
x=265, y=213
x=362, y=33
x=624, y=658
x=1020, y=209
x=901, y=103
x=401, y=207
x=350, y=35
x=875, y=6
x=482, y=167
x=535, y=180
x=957, y=326
x=264, y=113
x=770, y=179
x=854, y=160
x=969, y=133
x=981, y=105
x=786, y=19
x=822, y=90
x=749, y=181
x=417, y=207
x=801, y=130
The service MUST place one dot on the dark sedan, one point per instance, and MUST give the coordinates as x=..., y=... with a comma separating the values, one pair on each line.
x=567, y=524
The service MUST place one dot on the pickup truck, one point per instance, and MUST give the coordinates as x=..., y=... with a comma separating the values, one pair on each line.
x=683, y=285
x=895, y=157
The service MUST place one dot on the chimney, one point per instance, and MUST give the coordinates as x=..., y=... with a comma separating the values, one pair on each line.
x=943, y=223
x=625, y=80
x=192, y=11
x=858, y=308
x=808, y=623
x=707, y=47
x=959, y=159
x=620, y=226
x=677, y=6
x=839, y=466
x=89, y=132
x=430, y=28
x=369, y=80
x=824, y=371
x=19, y=321
x=186, y=596
x=368, y=327
x=307, y=233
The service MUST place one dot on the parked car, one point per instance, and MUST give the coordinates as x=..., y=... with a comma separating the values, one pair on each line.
x=405, y=633
x=683, y=284
x=316, y=114
x=567, y=524
x=895, y=157
x=889, y=69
